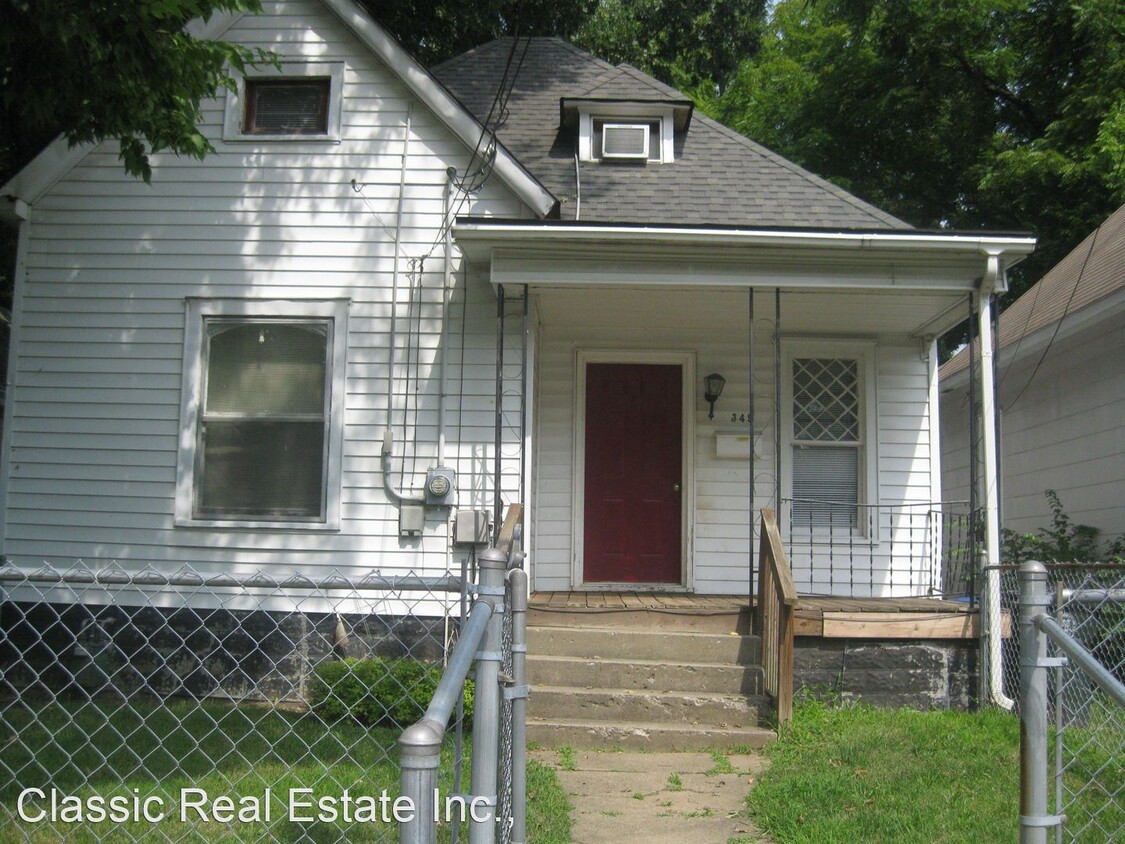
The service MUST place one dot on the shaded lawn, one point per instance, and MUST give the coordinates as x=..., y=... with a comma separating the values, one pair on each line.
x=113, y=748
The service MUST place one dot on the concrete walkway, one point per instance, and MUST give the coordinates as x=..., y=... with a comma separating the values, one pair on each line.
x=664, y=798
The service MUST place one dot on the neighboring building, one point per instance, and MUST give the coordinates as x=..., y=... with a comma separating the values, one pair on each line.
x=283, y=357
x=1061, y=393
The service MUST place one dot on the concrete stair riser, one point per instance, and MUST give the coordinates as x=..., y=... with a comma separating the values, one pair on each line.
x=643, y=644
x=670, y=620
x=644, y=674
x=629, y=706
x=651, y=737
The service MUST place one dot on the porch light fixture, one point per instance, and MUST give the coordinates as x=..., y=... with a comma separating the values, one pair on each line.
x=713, y=388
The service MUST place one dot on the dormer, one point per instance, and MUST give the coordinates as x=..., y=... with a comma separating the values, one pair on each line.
x=634, y=131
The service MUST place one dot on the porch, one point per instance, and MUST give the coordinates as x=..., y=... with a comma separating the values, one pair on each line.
x=823, y=616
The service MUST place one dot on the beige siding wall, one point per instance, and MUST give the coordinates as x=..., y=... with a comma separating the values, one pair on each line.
x=1062, y=429
x=110, y=261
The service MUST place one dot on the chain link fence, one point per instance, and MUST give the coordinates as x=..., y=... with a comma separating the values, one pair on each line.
x=1085, y=603
x=195, y=707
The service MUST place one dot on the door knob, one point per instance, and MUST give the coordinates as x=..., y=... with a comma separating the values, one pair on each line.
x=675, y=487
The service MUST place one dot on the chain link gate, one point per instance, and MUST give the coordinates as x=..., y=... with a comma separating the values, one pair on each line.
x=1069, y=669
x=494, y=640
x=192, y=706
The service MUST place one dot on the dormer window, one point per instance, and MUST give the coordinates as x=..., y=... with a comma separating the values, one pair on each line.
x=626, y=131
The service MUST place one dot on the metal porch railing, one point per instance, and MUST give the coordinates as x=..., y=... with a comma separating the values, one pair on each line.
x=919, y=549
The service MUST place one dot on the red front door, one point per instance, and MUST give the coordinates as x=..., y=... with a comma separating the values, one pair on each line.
x=634, y=473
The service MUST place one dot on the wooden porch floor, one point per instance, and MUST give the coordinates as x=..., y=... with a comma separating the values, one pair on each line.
x=825, y=616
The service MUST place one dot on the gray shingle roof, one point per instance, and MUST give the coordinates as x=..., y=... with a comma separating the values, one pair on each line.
x=719, y=177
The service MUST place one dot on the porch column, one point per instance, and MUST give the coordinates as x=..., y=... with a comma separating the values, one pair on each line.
x=990, y=490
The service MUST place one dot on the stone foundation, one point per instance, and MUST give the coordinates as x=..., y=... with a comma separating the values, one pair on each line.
x=198, y=653
x=924, y=674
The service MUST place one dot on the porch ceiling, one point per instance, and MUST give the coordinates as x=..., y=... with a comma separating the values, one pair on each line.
x=821, y=312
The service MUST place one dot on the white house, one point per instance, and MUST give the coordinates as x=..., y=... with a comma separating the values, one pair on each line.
x=395, y=300
x=1061, y=394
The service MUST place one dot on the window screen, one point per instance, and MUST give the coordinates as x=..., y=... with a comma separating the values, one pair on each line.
x=827, y=440
x=287, y=106
x=263, y=426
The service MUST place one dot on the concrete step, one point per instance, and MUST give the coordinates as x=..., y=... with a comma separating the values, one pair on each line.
x=666, y=646
x=606, y=735
x=650, y=674
x=690, y=620
x=639, y=706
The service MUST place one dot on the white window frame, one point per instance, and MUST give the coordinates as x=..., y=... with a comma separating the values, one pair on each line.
x=864, y=353
x=235, y=102
x=198, y=312
x=627, y=113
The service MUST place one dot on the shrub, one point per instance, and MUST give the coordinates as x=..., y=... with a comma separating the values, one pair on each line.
x=1062, y=542
x=377, y=691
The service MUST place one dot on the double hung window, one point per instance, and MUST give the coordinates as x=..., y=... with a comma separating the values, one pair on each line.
x=262, y=413
x=830, y=445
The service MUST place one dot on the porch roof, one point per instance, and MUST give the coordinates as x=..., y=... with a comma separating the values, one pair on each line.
x=557, y=254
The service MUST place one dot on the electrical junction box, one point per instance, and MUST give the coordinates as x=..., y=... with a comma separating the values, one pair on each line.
x=441, y=487
x=471, y=528
x=411, y=520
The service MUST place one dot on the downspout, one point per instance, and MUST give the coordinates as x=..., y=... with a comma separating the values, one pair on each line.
x=991, y=487
x=388, y=434
x=450, y=175
x=937, y=571
x=577, y=190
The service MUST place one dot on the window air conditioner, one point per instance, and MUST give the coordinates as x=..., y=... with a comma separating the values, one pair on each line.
x=625, y=140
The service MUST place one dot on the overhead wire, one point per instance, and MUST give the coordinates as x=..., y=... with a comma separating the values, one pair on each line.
x=1058, y=323
x=472, y=182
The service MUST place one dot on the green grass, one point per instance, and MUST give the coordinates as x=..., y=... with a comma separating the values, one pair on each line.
x=150, y=749
x=882, y=776
x=857, y=773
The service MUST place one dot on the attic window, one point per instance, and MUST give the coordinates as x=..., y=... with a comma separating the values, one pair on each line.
x=299, y=102
x=287, y=106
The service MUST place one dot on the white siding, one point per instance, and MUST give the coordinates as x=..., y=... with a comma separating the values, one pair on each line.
x=714, y=327
x=110, y=260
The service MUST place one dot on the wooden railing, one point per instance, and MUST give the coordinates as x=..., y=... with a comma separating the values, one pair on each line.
x=775, y=604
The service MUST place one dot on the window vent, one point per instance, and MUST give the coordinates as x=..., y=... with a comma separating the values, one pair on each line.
x=287, y=106
x=625, y=140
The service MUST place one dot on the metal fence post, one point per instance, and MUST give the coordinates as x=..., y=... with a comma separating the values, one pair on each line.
x=486, y=702
x=1035, y=599
x=419, y=752
x=517, y=583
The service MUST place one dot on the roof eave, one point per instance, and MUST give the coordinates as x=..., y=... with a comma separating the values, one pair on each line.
x=660, y=256
x=1010, y=247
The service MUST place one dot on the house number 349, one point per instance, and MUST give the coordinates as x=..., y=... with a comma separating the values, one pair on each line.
x=740, y=417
